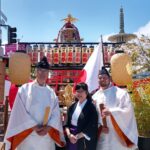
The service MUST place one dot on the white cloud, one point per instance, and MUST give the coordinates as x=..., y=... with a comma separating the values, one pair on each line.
x=145, y=30
x=105, y=37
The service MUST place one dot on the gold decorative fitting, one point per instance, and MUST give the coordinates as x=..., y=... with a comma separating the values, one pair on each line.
x=69, y=19
x=68, y=95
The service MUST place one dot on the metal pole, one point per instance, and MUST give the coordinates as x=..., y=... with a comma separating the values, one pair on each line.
x=102, y=49
x=6, y=114
x=82, y=43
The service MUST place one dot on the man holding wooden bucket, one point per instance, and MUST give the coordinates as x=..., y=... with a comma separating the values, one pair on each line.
x=35, y=122
x=118, y=129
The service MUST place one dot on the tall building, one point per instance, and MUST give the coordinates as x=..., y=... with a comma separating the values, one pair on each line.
x=121, y=36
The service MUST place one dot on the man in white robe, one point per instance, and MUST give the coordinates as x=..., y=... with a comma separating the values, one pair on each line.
x=118, y=128
x=25, y=129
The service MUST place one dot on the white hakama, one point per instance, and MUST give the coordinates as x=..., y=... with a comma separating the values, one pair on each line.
x=28, y=111
x=119, y=104
x=36, y=142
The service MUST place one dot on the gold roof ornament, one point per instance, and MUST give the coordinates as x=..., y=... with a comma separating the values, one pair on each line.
x=61, y=97
x=69, y=19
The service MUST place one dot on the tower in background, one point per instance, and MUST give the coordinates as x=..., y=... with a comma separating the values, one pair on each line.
x=121, y=36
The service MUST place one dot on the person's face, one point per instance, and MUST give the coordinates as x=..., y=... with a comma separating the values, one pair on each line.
x=42, y=75
x=104, y=80
x=81, y=94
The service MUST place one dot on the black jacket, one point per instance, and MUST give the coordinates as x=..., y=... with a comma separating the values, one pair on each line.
x=87, y=123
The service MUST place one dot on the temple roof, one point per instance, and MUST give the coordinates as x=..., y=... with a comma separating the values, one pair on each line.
x=69, y=32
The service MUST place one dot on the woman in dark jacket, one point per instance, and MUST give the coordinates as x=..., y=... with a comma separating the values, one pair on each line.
x=82, y=121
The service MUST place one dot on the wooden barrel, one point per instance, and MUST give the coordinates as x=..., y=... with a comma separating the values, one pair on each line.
x=121, y=69
x=19, y=68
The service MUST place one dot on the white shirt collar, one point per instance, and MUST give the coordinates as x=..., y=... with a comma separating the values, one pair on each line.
x=77, y=112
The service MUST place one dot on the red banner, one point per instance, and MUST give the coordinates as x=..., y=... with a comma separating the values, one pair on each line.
x=70, y=55
x=34, y=57
x=63, y=55
x=84, y=55
x=56, y=55
x=77, y=55
x=49, y=57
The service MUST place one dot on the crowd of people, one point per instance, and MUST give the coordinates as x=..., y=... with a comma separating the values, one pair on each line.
x=103, y=120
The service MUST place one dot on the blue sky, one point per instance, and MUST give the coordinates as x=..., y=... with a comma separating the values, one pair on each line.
x=39, y=20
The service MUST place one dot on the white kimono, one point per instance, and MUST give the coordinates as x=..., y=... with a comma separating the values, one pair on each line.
x=28, y=111
x=118, y=102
